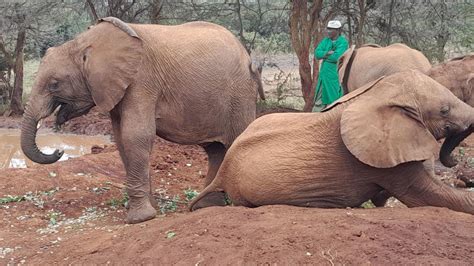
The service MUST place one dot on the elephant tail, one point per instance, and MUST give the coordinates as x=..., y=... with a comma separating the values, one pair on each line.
x=256, y=75
x=212, y=195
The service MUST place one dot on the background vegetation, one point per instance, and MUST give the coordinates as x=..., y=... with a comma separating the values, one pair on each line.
x=439, y=28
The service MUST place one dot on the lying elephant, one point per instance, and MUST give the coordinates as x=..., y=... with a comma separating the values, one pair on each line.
x=373, y=139
x=359, y=66
x=191, y=84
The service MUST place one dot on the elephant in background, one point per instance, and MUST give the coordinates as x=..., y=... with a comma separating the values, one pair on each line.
x=359, y=66
x=375, y=138
x=191, y=84
x=456, y=74
x=356, y=67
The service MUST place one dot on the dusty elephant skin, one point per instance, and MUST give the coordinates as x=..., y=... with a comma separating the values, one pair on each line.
x=368, y=63
x=357, y=67
x=373, y=139
x=190, y=84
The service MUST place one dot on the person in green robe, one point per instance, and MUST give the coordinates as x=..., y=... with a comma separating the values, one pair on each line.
x=329, y=50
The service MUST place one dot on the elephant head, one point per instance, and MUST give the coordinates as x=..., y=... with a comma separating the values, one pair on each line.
x=94, y=69
x=404, y=126
x=457, y=75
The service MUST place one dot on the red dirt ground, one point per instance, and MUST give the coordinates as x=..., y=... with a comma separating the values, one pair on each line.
x=73, y=214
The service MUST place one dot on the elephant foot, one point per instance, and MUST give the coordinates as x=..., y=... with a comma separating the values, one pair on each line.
x=381, y=198
x=140, y=211
x=217, y=198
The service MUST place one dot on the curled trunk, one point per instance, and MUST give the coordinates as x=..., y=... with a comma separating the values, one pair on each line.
x=28, y=143
x=449, y=144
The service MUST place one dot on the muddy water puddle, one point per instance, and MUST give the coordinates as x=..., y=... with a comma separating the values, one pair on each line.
x=11, y=155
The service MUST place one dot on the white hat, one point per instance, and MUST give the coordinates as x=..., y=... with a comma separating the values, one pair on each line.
x=334, y=24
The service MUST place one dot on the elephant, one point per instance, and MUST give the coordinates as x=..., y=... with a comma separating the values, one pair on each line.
x=356, y=67
x=191, y=84
x=456, y=74
x=359, y=66
x=373, y=139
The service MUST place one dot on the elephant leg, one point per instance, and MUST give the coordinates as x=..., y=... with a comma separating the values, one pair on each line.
x=115, y=116
x=137, y=142
x=418, y=187
x=381, y=198
x=215, y=153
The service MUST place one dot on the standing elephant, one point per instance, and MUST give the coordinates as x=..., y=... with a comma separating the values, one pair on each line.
x=356, y=67
x=373, y=139
x=456, y=74
x=368, y=63
x=190, y=84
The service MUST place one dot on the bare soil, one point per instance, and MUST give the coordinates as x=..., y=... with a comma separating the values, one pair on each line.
x=72, y=212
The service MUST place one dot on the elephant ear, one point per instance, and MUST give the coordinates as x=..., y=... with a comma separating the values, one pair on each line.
x=384, y=128
x=344, y=65
x=113, y=52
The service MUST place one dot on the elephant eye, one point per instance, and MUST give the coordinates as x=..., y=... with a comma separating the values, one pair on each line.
x=444, y=110
x=53, y=86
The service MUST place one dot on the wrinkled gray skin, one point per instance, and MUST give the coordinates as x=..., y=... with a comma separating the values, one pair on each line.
x=368, y=63
x=190, y=84
x=373, y=139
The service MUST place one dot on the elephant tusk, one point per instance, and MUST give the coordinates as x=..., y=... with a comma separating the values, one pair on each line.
x=39, y=124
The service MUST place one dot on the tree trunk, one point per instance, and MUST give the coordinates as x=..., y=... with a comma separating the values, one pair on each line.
x=16, y=101
x=349, y=22
x=302, y=26
x=360, y=26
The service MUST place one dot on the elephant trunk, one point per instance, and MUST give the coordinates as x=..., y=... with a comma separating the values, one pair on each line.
x=28, y=142
x=449, y=144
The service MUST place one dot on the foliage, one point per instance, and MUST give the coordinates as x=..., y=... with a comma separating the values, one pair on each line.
x=34, y=197
x=190, y=194
x=367, y=205
x=170, y=205
x=121, y=202
x=440, y=29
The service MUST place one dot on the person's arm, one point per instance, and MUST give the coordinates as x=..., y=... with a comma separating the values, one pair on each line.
x=341, y=47
x=322, y=49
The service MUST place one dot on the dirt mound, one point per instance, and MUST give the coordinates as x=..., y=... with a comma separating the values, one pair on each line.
x=284, y=235
x=73, y=212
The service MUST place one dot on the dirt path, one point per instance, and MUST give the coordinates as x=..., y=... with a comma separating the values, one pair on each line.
x=72, y=212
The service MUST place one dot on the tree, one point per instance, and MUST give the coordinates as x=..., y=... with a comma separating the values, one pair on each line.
x=307, y=24
x=127, y=10
x=21, y=19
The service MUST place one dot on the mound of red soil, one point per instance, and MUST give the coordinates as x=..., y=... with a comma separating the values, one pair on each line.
x=73, y=212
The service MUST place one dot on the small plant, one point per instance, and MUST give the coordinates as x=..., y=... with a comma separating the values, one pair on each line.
x=190, y=194
x=34, y=197
x=367, y=205
x=123, y=202
x=53, y=217
x=227, y=200
x=170, y=205
x=10, y=198
x=100, y=190
x=170, y=234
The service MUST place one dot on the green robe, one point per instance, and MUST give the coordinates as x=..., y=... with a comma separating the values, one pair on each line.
x=328, y=87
